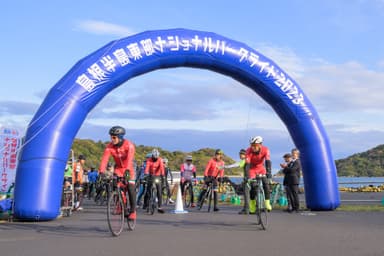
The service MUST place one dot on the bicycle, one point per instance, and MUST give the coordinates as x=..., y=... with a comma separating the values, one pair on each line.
x=188, y=194
x=67, y=201
x=165, y=192
x=118, y=205
x=153, y=200
x=207, y=195
x=261, y=211
x=78, y=197
x=103, y=186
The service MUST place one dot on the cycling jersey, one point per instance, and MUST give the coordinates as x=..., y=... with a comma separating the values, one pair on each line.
x=187, y=171
x=214, y=168
x=77, y=174
x=68, y=170
x=257, y=161
x=123, y=157
x=155, y=167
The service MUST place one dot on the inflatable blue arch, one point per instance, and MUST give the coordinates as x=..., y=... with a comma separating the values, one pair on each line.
x=52, y=130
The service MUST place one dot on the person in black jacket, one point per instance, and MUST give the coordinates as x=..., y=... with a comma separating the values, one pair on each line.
x=291, y=168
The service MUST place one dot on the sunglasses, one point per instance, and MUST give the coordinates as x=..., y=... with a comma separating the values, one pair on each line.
x=114, y=137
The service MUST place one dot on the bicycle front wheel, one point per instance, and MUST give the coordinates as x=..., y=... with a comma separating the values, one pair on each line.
x=210, y=195
x=261, y=211
x=188, y=196
x=152, y=202
x=115, y=213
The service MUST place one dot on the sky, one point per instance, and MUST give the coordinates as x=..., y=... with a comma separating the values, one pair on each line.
x=333, y=49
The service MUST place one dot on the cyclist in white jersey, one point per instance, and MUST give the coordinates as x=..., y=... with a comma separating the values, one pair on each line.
x=188, y=175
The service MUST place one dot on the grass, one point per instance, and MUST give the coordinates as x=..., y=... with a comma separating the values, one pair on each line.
x=361, y=208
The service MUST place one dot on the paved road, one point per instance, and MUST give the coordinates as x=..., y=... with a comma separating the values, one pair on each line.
x=200, y=233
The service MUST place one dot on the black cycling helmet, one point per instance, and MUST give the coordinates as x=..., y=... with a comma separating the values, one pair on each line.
x=117, y=131
x=219, y=152
x=242, y=151
x=81, y=157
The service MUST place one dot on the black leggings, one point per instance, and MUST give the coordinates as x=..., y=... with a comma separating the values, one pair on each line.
x=158, y=188
x=132, y=197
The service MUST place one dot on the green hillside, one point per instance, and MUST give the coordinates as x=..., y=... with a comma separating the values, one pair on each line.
x=93, y=151
x=369, y=163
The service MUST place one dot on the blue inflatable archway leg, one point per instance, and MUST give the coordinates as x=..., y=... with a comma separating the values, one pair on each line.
x=56, y=123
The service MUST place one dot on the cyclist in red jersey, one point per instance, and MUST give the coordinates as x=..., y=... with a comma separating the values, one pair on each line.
x=213, y=171
x=258, y=162
x=123, y=152
x=155, y=169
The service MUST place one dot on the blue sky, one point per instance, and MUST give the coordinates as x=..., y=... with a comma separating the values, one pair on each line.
x=333, y=49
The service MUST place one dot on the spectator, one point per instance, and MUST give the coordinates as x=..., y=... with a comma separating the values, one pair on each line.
x=291, y=182
x=92, y=178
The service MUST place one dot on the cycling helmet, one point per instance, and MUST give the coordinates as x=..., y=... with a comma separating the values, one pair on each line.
x=242, y=151
x=81, y=157
x=117, y=131
x=165, y=160
x=256, y=140
x=188, y=158
x=218, y=152
x=155, y=153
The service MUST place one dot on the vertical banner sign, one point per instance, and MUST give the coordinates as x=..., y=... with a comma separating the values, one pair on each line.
x=9, y=145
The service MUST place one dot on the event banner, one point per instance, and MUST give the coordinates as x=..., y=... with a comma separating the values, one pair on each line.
x=10, y=142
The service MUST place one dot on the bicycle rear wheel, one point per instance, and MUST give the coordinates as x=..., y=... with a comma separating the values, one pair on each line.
x=115, y=213
x=131, y=222
x=165, y=195
x=261, y=212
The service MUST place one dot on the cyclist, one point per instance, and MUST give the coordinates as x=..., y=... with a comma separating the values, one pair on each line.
x=68, y=174
x=123, y=152
x=155, y=169
x=77, y=177
x=167, y=172
x=92, y=179
x=142, y=179
x=187, y=173
x=213, y=170
x=258, y=162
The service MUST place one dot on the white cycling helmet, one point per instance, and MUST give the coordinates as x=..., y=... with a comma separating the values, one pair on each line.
x=165, y=160
x=155, y=153
x=256, y=140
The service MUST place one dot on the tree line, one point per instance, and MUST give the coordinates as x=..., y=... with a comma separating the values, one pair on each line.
x=366, y=164
x=93, y=152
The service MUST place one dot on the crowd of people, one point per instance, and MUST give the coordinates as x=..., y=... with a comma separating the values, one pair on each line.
x=255, y=161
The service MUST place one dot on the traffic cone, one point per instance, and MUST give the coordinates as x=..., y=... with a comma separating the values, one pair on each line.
x=179, y=208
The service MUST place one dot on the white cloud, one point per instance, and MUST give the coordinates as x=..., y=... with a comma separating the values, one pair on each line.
x=104, y=28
